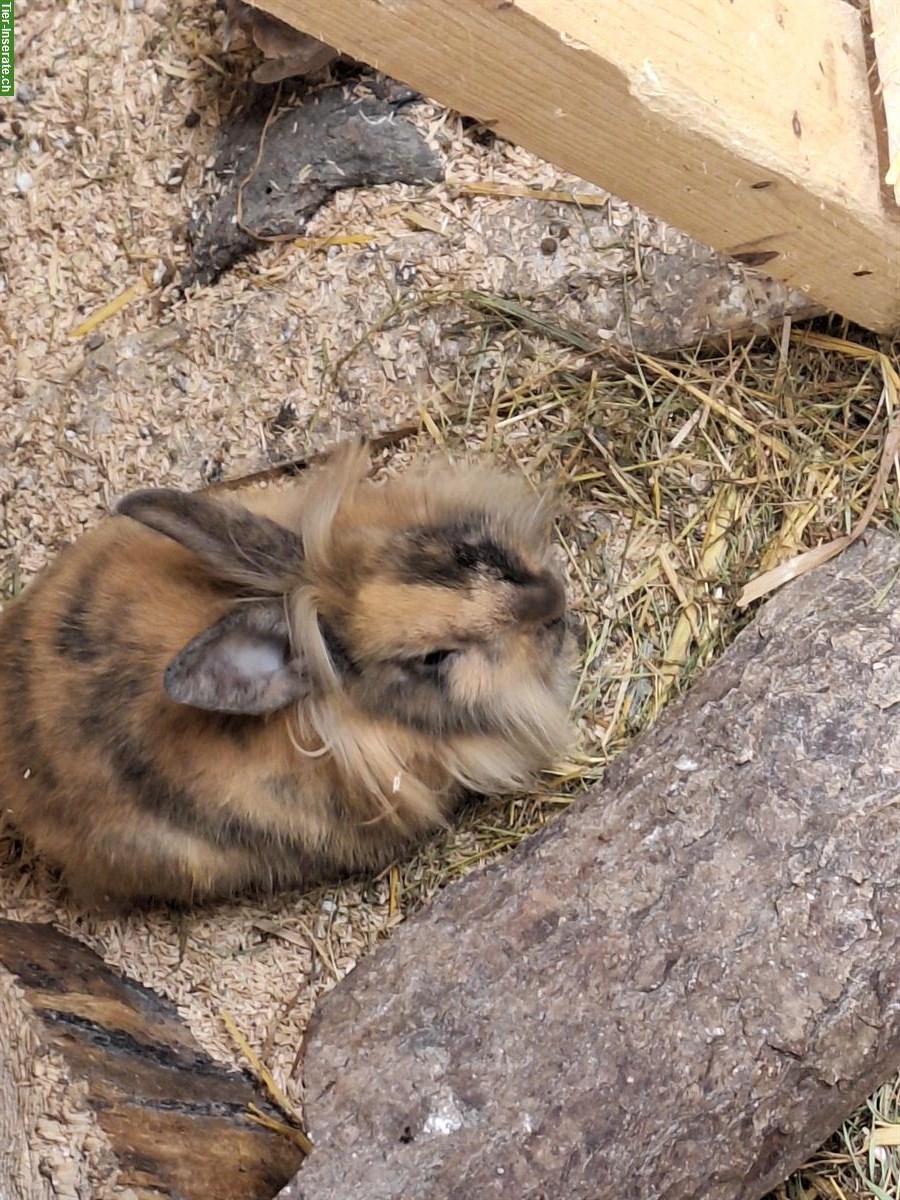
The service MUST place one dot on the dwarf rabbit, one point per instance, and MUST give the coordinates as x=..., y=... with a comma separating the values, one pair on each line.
x=208, y=695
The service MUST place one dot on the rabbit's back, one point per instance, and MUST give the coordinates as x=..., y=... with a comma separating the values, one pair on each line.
x=132, y=794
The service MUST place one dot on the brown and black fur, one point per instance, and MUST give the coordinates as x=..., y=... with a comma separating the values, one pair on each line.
x=204, y=696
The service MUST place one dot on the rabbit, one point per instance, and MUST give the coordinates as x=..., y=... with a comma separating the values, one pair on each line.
x=211, y=695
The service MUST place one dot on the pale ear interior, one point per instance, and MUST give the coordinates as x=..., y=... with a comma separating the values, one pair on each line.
x=241, y=664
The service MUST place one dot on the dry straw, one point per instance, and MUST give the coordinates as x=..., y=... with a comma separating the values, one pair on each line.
x=291, y=1127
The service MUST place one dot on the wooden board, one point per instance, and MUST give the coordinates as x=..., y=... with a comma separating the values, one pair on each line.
x=885, y=17
x=750, y=126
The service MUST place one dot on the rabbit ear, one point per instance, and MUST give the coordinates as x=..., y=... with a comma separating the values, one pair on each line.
x=237, y=545
x=241, y=664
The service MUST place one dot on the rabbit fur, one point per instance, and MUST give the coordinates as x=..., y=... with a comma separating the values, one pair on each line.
x=207, y=695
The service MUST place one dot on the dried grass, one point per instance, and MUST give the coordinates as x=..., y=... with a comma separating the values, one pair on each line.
x=684, y=479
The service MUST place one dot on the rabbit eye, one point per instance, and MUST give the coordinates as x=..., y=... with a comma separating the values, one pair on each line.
x=432, y=661
x=436, y=657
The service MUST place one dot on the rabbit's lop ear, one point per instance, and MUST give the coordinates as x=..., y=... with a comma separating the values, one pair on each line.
x=237, y=545
x=241, y=664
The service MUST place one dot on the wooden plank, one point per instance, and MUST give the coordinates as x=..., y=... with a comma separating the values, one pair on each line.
x=105, y=1093
x=750, y=126
x=885, y=17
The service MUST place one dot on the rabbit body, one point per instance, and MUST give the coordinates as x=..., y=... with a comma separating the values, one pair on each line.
x=203, y=696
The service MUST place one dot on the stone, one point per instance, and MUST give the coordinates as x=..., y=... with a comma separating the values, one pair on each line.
x=273, y=173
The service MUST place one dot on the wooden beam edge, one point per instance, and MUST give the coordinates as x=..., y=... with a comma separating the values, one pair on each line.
x=587, y=104
x=885, y=33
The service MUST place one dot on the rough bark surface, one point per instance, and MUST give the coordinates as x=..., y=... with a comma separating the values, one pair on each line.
x=682, y=985
x=104, y=1092
x=282, y=165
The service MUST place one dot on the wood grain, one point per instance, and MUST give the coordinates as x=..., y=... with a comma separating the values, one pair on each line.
x=104, y=1092
x=885, y=18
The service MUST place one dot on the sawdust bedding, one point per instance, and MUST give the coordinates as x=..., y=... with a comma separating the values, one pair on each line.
x=116, y=103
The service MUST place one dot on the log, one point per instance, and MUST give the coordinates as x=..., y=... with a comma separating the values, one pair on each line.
x=274, y=173
x=752, y=127
x=104, y=1092
x=679, y=987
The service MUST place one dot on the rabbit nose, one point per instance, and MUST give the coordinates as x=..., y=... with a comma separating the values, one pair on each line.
x=543, y=602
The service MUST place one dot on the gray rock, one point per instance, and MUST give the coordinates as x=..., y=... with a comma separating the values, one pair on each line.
x=283, y=169
x=682, y=985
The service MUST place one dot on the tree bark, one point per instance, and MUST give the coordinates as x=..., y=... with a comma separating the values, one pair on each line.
x=104, y=1092
x=684, y=983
